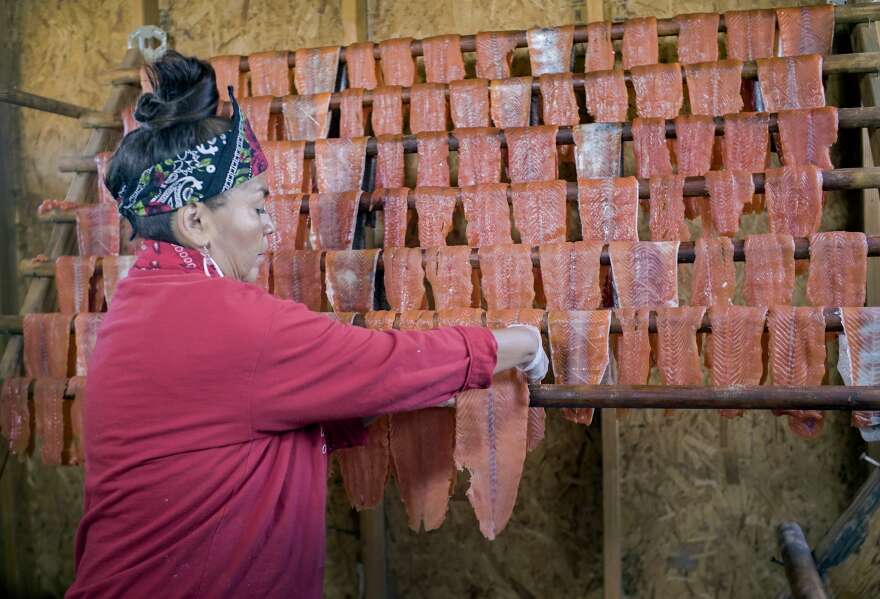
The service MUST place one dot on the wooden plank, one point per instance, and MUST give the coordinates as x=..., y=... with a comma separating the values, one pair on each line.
x=144, y=12
x=595, y=10
x=612, y=531
x=354, y=21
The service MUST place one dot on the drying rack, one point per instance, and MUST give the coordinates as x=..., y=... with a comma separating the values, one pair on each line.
x=802, y=566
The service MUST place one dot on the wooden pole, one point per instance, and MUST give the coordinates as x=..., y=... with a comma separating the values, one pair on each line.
x=800, y=569
x=612, y=528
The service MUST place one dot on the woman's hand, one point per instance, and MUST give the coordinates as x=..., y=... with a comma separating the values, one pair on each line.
x=520, y=346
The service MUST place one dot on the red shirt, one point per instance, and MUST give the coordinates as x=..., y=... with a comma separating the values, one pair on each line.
x=207, y=402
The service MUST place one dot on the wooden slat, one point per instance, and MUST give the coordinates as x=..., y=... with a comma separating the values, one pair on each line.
x=612, y=528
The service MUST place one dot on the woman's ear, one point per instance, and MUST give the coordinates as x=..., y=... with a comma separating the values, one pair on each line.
x=191, y=226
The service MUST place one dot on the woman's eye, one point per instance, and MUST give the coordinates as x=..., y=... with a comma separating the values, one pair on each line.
x=261, y=211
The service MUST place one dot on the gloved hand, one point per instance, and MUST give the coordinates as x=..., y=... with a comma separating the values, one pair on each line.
x=536, y=370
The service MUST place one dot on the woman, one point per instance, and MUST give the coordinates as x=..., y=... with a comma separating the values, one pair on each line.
x=211, y=405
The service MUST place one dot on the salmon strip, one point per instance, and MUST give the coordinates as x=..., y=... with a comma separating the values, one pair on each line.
x=49, y=417
x=390, y=166
x=404, y=278
x=745, y=142
x=448, y=270
x=557, y=98
x=129, y=123
x=607, y=99
x=365, y=470
x=791, y=82
x=297, y=277
x=666, y=215
x=146, y=85
x=15, y=415
x=86, y=327
x=285, y=172
x=640, y=44
x=678, y=358
x=394, y=215
x=340, y=164
x=479, y=156
x=97, y=230
x=487, y=214
x=600, y=48
x=284, y=212
x=510, y=101
x=729, y=192
x=469, y=103
x=658, y=90
x=532, y=152
x=650, y=147
x=805, y=29
x=714, y=87
x=645, y=273
x=806, y=136
x=315, y=70
x=539, y=211
x=76, y=449
x=579, y=352
x=859, y=351
x=306, y=117
x=258, y=112
x=333, y=217
x=387, y=117
x=751, y=34
x=351, y=113
x=435, y=207
x=102, y=163
x=571, y=274
x=46, y=344
x=597, y=150
x=115, y=268
x=794, y=199
x=227, y=71
x=73, y=276
x=838, y=269
x=769, y=272
x=550, y=49
x=270, y=74
x=433, y=168
x=360, y=64
x=506, y=275
x=694, y=138
x=632, y=348
x=714, y=275
x=427, y=107
x=398, y=66
x=697, y=37
x=734, y=347
x=442, y=57
x=351, y=276
x=495, y=54
x=609, y=208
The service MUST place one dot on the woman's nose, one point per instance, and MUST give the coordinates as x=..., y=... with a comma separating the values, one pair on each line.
x=268, y=225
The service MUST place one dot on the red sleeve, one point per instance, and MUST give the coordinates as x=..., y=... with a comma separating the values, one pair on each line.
x=313, y=369
x=345, y=433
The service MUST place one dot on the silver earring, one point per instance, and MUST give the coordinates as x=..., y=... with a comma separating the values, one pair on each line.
x=207, y=258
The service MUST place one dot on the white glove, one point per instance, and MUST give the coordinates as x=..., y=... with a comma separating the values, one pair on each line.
x=535, y=370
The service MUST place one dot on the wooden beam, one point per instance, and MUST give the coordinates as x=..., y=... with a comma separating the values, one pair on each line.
x=595, y=10
x=354, y=21
x=800, y=568
x=144, y=12
x=612, y=529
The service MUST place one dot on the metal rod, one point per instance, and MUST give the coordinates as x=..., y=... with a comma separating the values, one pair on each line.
x=800, y=568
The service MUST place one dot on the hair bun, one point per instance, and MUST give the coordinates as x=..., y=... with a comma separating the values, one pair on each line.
x=185, y=92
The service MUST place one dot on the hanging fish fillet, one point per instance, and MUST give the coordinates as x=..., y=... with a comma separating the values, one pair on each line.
x=640, y=44
x=258, y=112
x=579, y=352
x=697, y=37
x=102, y=163
x=806, y=136
x=714, y=87
x=597, y=150
x=442, y=57
x=306, y=117
x=539, y=211
x=859, y=362
x=433, y=168
x=650, y=147
x=427, y=107
x=448, y=270
x=678, y=358
x=73, y=276
x=550, y=49
x=570, y=271
x=694, y=138
x=351, y=113
x=390, y=166
x=315, y=70
x=115, y=268
x=838, y=269
x=284, y=212
x=49, y=417
x=332, y=219
x=227, y=71
x=791, y=82
x=46, y=344
x=645, y=273
x=600, y=48
x=632, y=348
x=340, y=164
x=794, y=199
x=745, y=142
x=394, y=215
x=609, y=208
x=469, y=103
x=351, y=276
x=714, y=278
x=86, y=328
x=297, y=277
x=769, y=272
x=511, y=101
x=532, y=152
x=435, y=207
x=506, y=276
x=607, y=99
x=479, y=156
x=805, y=29
x=729, y=192
x=97, y=230
x=76, y=449
x=487, y=214
x=270, y=74
x=751, y=34
x=734, y=347
x=360, y=64
x=558, y=101
x=666, y=215
x=404, y=278
x=387, y=117
x=658, y=90
x=495, y=54
x=398, y=66
x=365, y=470
x=15, y=415
x=285, y=172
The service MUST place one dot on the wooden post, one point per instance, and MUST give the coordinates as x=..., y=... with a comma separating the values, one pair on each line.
x=595, y=10
x=800, y=568
x=612, y=534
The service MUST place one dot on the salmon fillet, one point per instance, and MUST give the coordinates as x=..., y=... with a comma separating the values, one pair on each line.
x=511, y=100
x=306, y=117
x=714, y=87
x=607, y=100
x=398, y=66
x=360, y=65
x=433, y=170
x=49, y=418
x=532, y=152
x=404, y=278
x=333, y=217
x=115, y=268
x=506, y=276
x=645, y=273
x=15, y=415
x=495, y=54
x=390, y=166
x=640, y=44
x=838, y=269
x=448, y=270
x=285, y=166
x=469, y=103
x=387, y=117
x=769, y=272
x=86, y=327
x=435, y=207
x=351, y=276
x=600, y=48
x=442, y=57
x=751, y=34
x=365, y=470
x=734, y=347
x=284, y=212
x=557, y=99
x=339, y=164
x=258, y=113
x=571, y=274
x=76, y=448
x=794, y=199
x=351, y=113
x=427, y=107
x=315, y=70
x=805, y=29
x=46, y=344
x=73, y=276
x=658, y=90
x=791, y=82
x=666, y=214
x=550, y=49
x=579, y=352
x=678, y=358
x=102, y=163
x=650, y=147
x=539, y=211
x=729, y=192
x=479, y=156
x=227, y=72
x=597, y=150
x=487, y=214
x=394, y=216
x=806, y=136
x=270, y=74
x=694, y=138
x=297, y=277
x=714, y=275
x=609, y=208
x=745, y=141
x=632, y=348
x=697, y=37
x=859, y=362
x=97, y=230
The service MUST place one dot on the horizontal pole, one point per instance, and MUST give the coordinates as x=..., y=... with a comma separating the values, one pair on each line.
x=28, y=100
x=800, y=568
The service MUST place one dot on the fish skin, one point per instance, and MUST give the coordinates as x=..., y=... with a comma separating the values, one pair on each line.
x=769, y=271
x=838, y=269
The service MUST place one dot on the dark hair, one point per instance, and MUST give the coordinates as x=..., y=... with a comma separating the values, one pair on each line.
x=180, y=113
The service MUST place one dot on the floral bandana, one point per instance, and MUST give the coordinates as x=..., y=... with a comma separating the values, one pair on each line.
x=198, y=173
